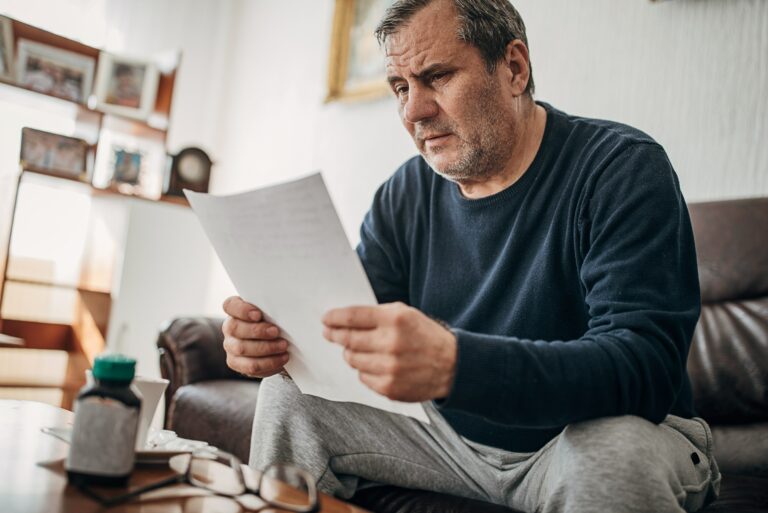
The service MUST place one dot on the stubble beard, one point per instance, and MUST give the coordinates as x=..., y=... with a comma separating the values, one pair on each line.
x=481, y=155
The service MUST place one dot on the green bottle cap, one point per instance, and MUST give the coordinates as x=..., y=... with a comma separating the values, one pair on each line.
x=114, y=367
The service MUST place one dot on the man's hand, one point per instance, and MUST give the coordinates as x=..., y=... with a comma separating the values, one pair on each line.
x=253, y=346
x=399, y=352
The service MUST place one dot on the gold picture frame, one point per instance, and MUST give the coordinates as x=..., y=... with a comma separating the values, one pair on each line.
x=356, y=64
x=7, y=69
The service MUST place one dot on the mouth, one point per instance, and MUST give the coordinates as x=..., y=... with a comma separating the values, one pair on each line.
x=435, y=139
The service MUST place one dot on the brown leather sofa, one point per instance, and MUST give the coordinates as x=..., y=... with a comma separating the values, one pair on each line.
x=728, y=365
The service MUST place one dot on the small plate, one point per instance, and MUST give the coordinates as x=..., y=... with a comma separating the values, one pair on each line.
x=149, y=456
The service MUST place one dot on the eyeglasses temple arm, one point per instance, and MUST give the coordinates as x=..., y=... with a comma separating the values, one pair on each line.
x=113, y=501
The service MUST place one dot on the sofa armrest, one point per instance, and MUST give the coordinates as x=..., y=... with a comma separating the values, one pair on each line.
x=191, y=351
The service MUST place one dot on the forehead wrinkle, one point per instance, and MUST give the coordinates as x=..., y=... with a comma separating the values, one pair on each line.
x=412, y=59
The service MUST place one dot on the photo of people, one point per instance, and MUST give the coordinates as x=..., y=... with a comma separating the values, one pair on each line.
x=125, y=85
x=48, y=77
x=44, y=151
x=54, y=71
x=6, y=49
x=127, y=168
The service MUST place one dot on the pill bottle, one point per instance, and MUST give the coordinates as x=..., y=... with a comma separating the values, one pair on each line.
x=106, y=422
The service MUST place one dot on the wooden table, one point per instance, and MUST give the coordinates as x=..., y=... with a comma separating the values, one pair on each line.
x=32, y=476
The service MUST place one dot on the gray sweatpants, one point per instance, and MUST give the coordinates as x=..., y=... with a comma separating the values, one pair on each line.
x=617, y=464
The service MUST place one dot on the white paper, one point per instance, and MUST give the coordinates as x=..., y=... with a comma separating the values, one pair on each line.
x=286, y=252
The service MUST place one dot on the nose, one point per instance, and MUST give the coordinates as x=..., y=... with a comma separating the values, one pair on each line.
x=420, y=105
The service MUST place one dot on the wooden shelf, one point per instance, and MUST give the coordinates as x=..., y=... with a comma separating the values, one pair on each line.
x=163, y=99
x=176, y=200
x=68, y=286
x=9, y=341
x=134, y=126
x=96, y=191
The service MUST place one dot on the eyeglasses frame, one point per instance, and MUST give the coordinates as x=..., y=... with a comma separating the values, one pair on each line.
x=187, y=478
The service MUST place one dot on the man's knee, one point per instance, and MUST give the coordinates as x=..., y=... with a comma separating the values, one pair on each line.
x=281, y=406
x=610, y=463
x=614, y=447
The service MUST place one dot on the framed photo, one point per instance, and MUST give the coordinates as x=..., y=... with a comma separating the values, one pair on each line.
x=126, y=86
x=6, y=49
x=356, y=68
x=129, y=164
x=54, y=71
x=126, y=167
x=54, y=154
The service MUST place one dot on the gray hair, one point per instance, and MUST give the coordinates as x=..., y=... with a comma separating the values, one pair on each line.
x=488, y=25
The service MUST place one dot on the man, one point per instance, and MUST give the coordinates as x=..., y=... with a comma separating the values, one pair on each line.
x=537, y=283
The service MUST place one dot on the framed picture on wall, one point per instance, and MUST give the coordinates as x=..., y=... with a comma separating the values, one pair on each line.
x=126, y=86
x=356, y=67
x=6, y=49
x=129, y=164
x=54, y=154
x=54, y=71
x=126, y=167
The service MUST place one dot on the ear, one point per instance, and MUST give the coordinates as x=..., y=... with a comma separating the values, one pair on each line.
x=516, y=66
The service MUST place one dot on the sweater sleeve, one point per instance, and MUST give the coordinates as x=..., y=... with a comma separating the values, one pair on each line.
x=638, y=272
x=384, y=261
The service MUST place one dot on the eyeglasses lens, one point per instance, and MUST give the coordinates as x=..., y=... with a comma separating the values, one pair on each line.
x=216, y=475
x=289, y=487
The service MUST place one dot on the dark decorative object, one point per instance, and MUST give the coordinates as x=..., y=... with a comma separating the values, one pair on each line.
x=190, y=169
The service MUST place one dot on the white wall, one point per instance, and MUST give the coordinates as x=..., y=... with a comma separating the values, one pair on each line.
x=160, y=279
x=276, y=125
x=692, y=73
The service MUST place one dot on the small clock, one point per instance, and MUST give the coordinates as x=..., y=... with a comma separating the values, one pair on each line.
x=190, y=169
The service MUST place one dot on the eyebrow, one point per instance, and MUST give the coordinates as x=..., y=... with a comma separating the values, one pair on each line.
x=421, y=75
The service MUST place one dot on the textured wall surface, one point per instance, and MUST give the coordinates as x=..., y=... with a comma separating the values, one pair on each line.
x=692, y=73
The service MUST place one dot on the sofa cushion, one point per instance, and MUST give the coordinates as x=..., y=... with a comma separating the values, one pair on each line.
x=197, y=351
x=738, y=494
x=219, y=412
x=742, y=449
x=741, y=494
x=732, y=256
x=727, y=363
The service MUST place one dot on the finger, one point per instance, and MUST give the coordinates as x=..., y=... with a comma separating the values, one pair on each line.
x=357, y=340
x=371, y=363
x=363, y=317
x=258, y=367
x=250, y=330
x=236, y=307
x=380, y=384
x=254, y=348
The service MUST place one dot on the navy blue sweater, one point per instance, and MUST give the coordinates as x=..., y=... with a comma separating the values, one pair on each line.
x=573, y=293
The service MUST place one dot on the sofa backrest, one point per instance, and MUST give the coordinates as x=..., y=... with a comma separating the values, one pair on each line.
x=728, y=361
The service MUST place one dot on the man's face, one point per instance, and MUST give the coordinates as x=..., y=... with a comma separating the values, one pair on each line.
x=458, y=114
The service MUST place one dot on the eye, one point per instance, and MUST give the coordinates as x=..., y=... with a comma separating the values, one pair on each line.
x=400, y=90
x=439, y=76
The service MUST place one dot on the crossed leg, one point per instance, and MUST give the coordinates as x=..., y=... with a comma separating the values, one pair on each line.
x=619, y=464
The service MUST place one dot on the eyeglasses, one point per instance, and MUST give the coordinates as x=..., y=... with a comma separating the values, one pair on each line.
x=282, y=486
